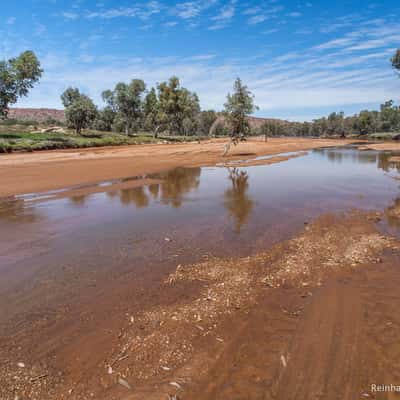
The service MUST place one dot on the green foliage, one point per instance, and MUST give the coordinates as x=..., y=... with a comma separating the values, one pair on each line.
x=70, y=96
x=177, y=107
x=238, y=107
x=220, y=129
x=389, y=117
x=17, y=76
x=205, y=121
x=337, y=125
x=105, y=120
x=365, y=123
x=396, y=60
x=268, y=128
x=32, y=141
x=80, y=111
x=126, y=101
x=151, y=112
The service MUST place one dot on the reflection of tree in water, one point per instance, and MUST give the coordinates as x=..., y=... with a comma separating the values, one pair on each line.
x=237, y=201
x=136, y=195
x=393, y=214
x=17, y=210
x=154, y=189
x=334, y=156
x=174, y=185
x=379, y=158
x=78, y=200
x=385, y=164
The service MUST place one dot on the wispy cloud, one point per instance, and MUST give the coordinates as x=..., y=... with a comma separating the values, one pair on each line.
x=277, y=84
x=224, y=16
x=143, y=11
x=260, y=14
x=294, y=14
x=192, y=9
x=365, y=37
x=69, y=15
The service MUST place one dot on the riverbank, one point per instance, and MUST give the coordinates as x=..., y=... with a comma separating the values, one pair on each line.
x=50, y=170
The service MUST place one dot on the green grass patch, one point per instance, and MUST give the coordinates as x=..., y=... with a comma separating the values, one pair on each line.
x=17, y=138
x=384, y=136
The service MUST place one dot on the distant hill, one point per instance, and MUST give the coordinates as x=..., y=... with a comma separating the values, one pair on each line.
x=36, y=114
x=255, y=122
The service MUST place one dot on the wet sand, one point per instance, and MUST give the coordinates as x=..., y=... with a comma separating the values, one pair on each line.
x=388, y=145
x=50, y=170
x=312, y=316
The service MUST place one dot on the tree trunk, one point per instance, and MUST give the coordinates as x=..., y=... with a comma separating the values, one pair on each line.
x=155, y=135
x=227, y=147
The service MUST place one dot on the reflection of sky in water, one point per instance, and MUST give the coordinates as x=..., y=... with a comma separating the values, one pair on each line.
x=253, y=201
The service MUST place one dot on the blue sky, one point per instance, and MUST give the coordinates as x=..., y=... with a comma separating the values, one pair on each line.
x=302, y=59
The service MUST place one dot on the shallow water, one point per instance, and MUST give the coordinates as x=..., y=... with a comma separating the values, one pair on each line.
x=187, y=214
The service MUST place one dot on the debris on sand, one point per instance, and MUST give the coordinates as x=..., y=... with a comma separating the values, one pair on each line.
x=176, y=384
x=38, y=378
x=319, y=250
x=283, y=361
x=124, y=383
x=166, y=335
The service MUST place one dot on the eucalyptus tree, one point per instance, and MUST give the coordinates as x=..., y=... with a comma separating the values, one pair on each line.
x=17, y=76
x=238, y=107
x=206, y=120
x=151, y=112
x=80, y=111
x=177, y=106
x=127, y=102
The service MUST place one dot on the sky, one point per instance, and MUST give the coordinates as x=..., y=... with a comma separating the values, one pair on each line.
x=301, y=59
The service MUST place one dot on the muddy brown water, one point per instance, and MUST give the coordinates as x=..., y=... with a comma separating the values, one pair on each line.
x=63, y=255
x=189, y=212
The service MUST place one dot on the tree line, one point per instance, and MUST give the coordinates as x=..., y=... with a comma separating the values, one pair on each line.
x=171, y=108
x=387, y=119
x=130, y=108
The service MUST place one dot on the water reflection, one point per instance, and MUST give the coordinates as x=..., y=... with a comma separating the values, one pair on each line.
x=393, y=214
x=385, y=164
x=311, y=182
x=349, y=154
x=174, y=185
x=236, y=199
x=78, y=200
x=136, y=196
x=15, y=210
